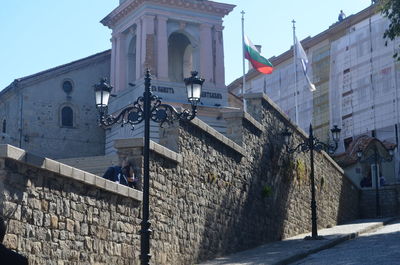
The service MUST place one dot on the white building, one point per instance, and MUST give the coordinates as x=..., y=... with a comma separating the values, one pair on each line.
x=356, y=77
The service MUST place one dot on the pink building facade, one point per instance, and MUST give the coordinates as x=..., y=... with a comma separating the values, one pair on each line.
x=171, y=38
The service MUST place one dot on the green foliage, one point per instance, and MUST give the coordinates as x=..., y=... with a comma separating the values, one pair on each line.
x=391, y=10
x=301, y=171
x=266, y=191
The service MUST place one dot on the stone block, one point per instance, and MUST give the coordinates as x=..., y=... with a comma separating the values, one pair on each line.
x=135, y=194
x=70, y=225
x=77, y=227
x=84, y=229
x=52, y=165
x=100, y=182
x=78, y=174
x=9, y=151
x=54, y=222
x=90, y=178
x=65, y=170
x=44, y=205
x=16, y=227
x=123, y=190
x=112, y=186
x=37, y=218
x=78, y=216
x=11, y=241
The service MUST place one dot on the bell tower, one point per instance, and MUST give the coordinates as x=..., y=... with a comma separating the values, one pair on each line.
x=172, y=38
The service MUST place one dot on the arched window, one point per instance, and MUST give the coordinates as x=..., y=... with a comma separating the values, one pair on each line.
x=4, y=130
x=67, y=117
x=132, y=61
x=180, y=57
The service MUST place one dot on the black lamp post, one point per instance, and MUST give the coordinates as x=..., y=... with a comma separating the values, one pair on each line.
x=376, y=159
x=145, y=108
x=311, y=144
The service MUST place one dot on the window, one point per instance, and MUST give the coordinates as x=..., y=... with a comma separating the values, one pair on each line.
x=4, y=130
x=67, y=86
x=67, y=117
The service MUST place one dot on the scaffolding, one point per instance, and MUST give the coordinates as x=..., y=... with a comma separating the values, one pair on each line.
x=363, y=94
x=356, y=78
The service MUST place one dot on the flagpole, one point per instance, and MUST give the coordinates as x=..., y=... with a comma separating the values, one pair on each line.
x=244, y=64
x=295, y=71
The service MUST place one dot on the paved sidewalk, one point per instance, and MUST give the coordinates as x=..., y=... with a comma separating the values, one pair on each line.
x=295, y=248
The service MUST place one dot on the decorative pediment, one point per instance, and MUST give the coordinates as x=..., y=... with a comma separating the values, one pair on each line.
x=202, y=6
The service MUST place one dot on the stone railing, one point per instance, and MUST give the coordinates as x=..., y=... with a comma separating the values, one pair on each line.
x=63, y=214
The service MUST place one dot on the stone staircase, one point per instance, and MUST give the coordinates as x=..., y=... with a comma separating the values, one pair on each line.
x=94, y=164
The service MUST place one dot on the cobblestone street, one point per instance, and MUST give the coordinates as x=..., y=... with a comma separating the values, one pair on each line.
x=379, y=247
x=374, y=241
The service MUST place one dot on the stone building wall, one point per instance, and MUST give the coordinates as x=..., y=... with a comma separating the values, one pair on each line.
x=212, y=196
x=57, y=214
x=389, y=200
x=32, y=108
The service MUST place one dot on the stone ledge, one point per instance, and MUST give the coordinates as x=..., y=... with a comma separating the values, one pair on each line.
x=155, y=147
x=290, y=123
x=277, y=108
x=14, y=153
x=253, y=121
x=246, y=116
x=220, y=137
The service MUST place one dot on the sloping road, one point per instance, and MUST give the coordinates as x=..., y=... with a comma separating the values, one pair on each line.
x=380, y=247
x=300, y=251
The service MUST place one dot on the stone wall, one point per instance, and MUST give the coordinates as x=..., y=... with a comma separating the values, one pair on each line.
x=57, y=214
x=389, y=200
x=210, y=195
x=213, y=195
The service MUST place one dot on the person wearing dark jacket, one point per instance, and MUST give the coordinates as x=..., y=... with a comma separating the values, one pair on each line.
x=341, y=16
x=124, y=175
x=7, y=256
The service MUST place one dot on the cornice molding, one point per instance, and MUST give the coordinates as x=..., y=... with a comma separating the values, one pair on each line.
x=124, y=9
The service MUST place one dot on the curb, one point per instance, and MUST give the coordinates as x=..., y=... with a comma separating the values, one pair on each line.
x=334, y=242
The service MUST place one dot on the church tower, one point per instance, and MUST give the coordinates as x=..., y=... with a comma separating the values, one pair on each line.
x=172, y=38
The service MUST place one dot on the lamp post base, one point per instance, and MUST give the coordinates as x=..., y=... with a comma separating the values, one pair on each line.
x=314, y=238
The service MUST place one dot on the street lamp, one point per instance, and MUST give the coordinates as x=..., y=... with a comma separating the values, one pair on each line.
x=102, y=93
x=145, y=108
x=376, y=159
x=311, y=144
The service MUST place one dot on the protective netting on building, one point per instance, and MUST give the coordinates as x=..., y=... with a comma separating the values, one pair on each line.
x=363, y=94
x=356, y=78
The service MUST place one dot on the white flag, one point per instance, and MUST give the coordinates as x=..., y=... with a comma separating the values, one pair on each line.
x=302, y=56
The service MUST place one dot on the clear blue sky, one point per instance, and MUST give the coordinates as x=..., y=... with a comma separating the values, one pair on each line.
x=40, y=34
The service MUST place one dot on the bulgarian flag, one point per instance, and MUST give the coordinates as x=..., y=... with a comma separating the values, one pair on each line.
x=258, y=62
